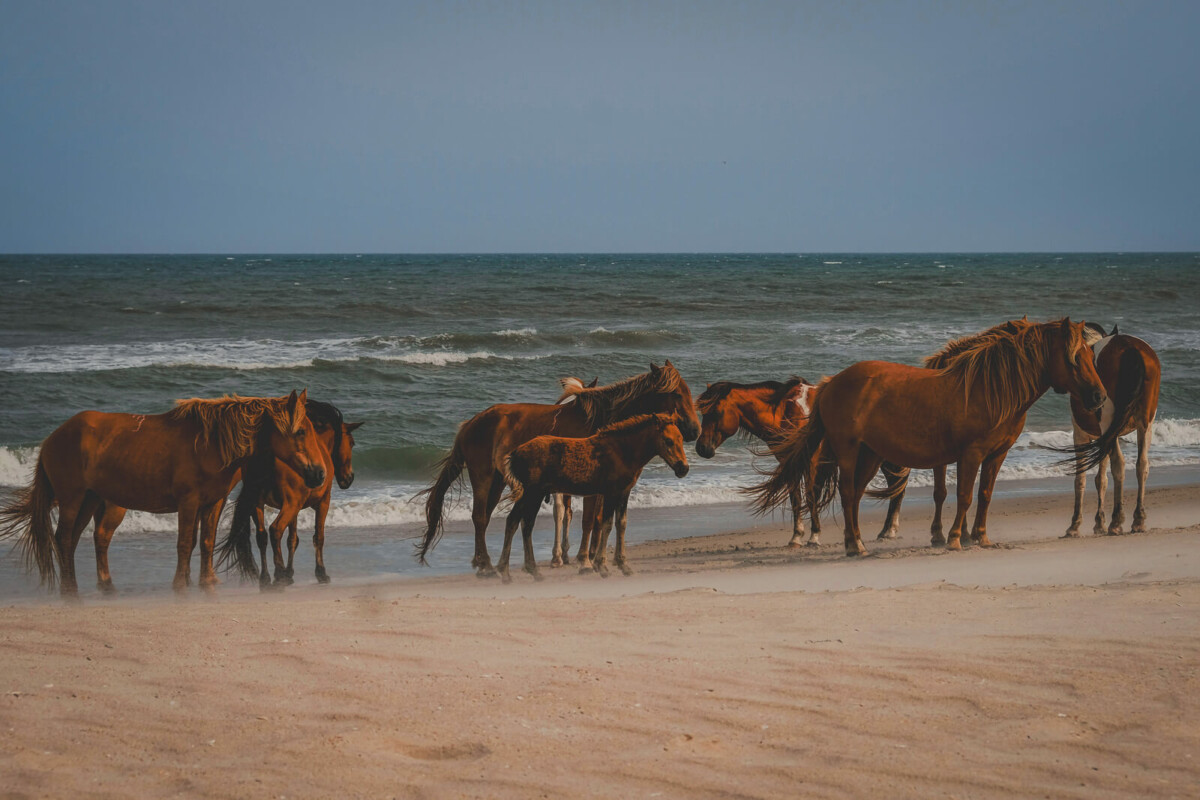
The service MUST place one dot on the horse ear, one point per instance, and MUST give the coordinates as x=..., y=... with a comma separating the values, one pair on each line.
x=595, y=381
x=707, y=386
x=353, y=426
x=669, y=364
x=1114, y=331
x=654, y=368
x=297, y=409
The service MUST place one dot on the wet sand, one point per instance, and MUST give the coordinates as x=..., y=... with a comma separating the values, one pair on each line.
x=726, y=666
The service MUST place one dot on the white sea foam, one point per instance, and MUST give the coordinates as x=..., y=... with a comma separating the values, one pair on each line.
x=518, y=332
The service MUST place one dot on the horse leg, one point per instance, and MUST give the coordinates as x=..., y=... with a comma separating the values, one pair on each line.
x=936, y=537
x=1078, y=438
x=527, y=522
x=510, y=528
x=1101, y=486
x=260, y=525
x=108, y=517
x=968, y=468
x=1118, y=476
x=891, y=524
x=865, y=468
x=209, y=517
x=797, y=539
x=597, y=516
x=606, y=522
x=1143, y=472
x=185, y=544
x=319, y=539
x=72, y=519
x=293, y=543
x=562, y=525
x=987, y=481
x=592, y=508
x=847, y=467
x=620, y=517
x=486, y=494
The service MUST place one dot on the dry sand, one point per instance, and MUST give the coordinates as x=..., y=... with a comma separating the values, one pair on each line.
x=726, y=667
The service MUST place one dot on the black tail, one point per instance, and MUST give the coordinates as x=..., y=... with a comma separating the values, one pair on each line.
x=1131, y=385
x=801, y=466
x=236, y=550
x=449, y=471
x=897, y=482
x=27, y=518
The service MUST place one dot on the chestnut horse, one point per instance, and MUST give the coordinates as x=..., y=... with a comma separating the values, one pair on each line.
x=287, y=492
x=1130, y=371
x=606, y=464
x=767, y=411
x=970, y=413
x=484, y=440
x=184, y=461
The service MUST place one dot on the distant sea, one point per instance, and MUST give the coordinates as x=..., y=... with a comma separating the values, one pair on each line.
x=413, y=345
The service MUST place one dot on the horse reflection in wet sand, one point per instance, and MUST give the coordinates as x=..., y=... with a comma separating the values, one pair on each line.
x=607, y=464
x=968, y=413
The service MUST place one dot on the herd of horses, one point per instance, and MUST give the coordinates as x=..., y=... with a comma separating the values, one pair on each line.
x=965, y=407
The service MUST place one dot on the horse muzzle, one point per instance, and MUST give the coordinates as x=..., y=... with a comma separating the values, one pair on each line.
x=681, y=469
x=344, y=482
x=313, y=476
x=1095, y=401
x=705, y=450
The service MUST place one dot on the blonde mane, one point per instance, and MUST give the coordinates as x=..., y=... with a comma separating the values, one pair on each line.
x=1004, y=363
x=634, y=423
x=602, y=404
x=232, y=423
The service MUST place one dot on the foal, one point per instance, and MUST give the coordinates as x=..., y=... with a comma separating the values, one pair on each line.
x=607, y=463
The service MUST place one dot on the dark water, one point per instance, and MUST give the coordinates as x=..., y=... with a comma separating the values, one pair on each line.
x=413, y=345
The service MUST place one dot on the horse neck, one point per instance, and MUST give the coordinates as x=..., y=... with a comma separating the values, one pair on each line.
x=997, y=414
x=639, y=447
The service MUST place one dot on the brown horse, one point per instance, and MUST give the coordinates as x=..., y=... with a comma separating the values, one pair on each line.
x=606, y=464
x=970, y=412
x=767, y=411
x=184, y=461
x=1131, y=373
x=484, y=440
x=288, y=492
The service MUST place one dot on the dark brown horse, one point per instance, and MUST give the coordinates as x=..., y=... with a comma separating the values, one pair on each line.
x=1131, y=373
x=969, y=412
x=288, y=492
x=768, y=410
x=184, y=461
x=487, y=438
x=606, y=464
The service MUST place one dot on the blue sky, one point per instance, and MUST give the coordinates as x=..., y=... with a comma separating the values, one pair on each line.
x=644, y=126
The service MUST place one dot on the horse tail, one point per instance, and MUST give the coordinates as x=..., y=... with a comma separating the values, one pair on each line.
x=1131, y=386
x=897, y=478
x=800, y=465
x=236, y=551
x=449, y=471
x=28, y=517
x=571, y=387
x=515, y=487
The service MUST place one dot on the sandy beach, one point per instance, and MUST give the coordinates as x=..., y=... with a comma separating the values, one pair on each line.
x=725, y=667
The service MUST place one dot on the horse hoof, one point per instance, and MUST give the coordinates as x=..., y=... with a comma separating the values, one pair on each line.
x=813, y=543
x=862, y=551
x=556, y=561
x=1072, y=533
x=284, y=580
x=322, y=577
x=505, y=577
x=537, y=576
x=954, y=544
x=603, y=571
x=1138, y=527
x=625, y=570
x=485, y=572
x=106, y=588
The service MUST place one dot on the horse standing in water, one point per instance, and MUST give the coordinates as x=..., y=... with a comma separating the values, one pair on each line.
x=606, y=464
x=483, y=442
x=970, y=412
x=284, y=489
x=184, y=461
x=769, y=410
x=1131, y=373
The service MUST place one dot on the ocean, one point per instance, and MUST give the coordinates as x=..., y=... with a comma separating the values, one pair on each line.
x=413, y=345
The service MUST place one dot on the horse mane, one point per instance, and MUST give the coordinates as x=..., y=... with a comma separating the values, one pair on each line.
x=635, y=423
x=232, y=423
x=330, y=416
x=1004, y=363
x=602, y=404
x=716, y=392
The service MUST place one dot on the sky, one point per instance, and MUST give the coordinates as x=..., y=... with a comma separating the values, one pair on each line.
x=645, y=126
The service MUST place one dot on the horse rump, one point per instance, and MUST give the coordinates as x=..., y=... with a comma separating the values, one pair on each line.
x=1131, y=386
x=802, y=463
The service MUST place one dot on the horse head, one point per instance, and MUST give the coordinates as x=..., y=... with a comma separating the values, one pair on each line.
x=343, y=459
x=721, y=418
x=669, y=444
x=678, y=401
x=1071, y=364
x=292, y=439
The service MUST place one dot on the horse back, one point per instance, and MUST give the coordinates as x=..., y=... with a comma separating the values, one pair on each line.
x=489, y=436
